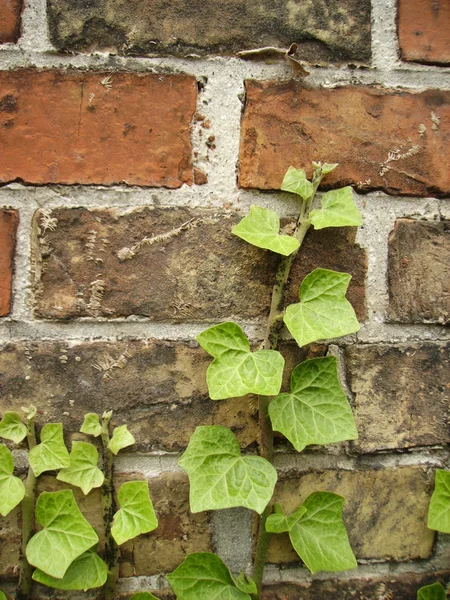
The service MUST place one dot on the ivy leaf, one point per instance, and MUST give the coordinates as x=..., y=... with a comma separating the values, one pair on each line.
x=278, y=522
x=143, y=596
x=261, y=227
x=136, y=515
x=316, y=411
x=12, y=489
x=86, y=572
x=435, y=591
x=91, y=425
x=295, y=181
x=323, y=312
x=328, y=167
x=66, y=534
x=245, y=583
x=2, y=596
x=338, y=210
x=439, y=509
x=121, y=438
x=12, y=428
x=83, y=471
x=204, y=575
x=220, y=477
x=51, y=454
x=235, y=370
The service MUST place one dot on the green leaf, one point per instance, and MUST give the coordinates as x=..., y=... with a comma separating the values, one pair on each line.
x=435, y=591
x=278, y=522
x=12, y=428
x=83, y=471
x=439, y=509
x=295, y=181
x=12, y=489
x=91, y=425
x=2, y=596
x=86, y=572
x=220, y=477
x=245, y=583
x=66, y=534
x=203, y=576
x=338, y=210
x=262, y=229
x=143, y=596
x=328, y=167
x=316, y=411
x=323, y=312
x=136, y=515
x=121, y=439
x=51, y=454
x=235, y=370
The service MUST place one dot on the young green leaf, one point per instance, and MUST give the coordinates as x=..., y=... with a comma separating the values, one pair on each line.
x=51, y=454
x=235, y=370
x=278, y=522
x=91, y=425
x=220, y=477
x=143, y=596
x=83, y=471
x=121, y=439
x=12, y=428
x=203, y=575
x=245, y=583
x=435, y=591
x=295, y=181
x=86, y=572
x=261, y=228
x=65, y=536
x=439, y=509
x=136, y=515
x=316, y=411
x=328, y=167
x=12, y=489
x=338, y=210
x=323, y=312
x=2, y=596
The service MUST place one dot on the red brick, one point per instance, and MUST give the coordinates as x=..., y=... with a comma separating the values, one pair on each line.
x=9, y=220
x=424, y=30
x=72, y=128
x=10, y=11
x=360, y=128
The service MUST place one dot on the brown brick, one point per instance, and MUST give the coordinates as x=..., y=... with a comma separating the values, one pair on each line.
x=10, y=11
x=9, y=220
x=131, y=128
x=326, y=31
x=423, y=31
x=385, y=510
x=419, y=272
x=204, y=273
x=10, y=540
x=363, y=129
x=401, y=395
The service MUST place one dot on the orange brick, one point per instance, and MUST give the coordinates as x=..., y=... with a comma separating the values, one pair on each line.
x=10, y=11
x=9, y=220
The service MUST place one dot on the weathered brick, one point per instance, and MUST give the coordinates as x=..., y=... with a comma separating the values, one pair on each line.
x=96, y=127
x=419, y=272
x=10, y=11
x=423, y=31
x=10, y=540
x=324, y=30
x=401, y=395
x=380, y=504
x=394, y=140
x=9, y=220
x=101, y=263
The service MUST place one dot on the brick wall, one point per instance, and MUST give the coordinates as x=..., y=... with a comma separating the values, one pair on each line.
x=120, y=121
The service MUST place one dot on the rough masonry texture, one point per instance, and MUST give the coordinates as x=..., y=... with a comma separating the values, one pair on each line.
x=10, y=11
x=9, y=220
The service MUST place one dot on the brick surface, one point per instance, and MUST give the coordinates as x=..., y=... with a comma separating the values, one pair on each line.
x=380, y=504
x=96, y=128
x=423, y=31
x=419, y=272
x=10, y=11
x=326, y=31
x=9, y=220
x=98, y=263
x=392, y=140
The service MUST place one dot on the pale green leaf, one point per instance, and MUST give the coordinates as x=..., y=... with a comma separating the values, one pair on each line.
x=143, y=596
x=323, y=312
x=235, y=370
x=29, y=411
x=338, y=210
x=65, y=536
x=295, y=181
x=12, y=489
x=316, y=411
x=278, y=522
x=435, y=591
x=51, y=454
x=261, y=228
x=220, y=477
x=86, y=572
x=245, y=583
x=136, y=515
x=203, y=576
x=121, y=438
x=83, y=471
x=2, y=596
x=12, y=428
x=439, y=509
x=91, y=425
x=328, y=167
